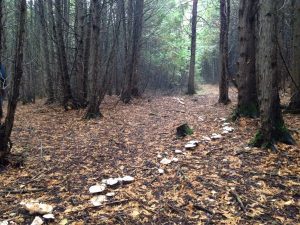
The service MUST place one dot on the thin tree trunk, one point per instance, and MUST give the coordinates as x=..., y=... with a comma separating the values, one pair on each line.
x=49, y=78
x=224, y=80
x=294, y=104
x=79, y=97
x=93, y=110
x=191, y=83
x=61, y=49
x=1, y=52
x=6, y=128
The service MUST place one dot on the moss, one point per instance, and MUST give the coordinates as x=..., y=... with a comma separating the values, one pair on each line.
x=280, y=134
x=249, y=111
x=283, y=134
x=184, y=130
x=258, y=140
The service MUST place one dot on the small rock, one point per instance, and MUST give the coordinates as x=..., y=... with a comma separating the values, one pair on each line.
x=161, y=171
x=97, y=188
x=98, y=200
x=194, y=142
x=165, y=161
x=37, y=221
x=34, y=207
x=110, y=194
x=177, y=151
x=5, y=222
x=216, y=136
x=190, y=146
x=159, y=156
x=49, y=216
x=205, y=138
x=112, y=181
x=175, y=159
x=229, y=129
x=127, y=179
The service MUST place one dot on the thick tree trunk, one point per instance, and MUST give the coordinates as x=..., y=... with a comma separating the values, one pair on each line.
x=246, y=78
x=61, y=49
x=131, y=86
x=295, y=99
x=49, y=78
x=272, y=124
x=191, y=83
x=93, y=110
x=6, y=128
x=224, y=80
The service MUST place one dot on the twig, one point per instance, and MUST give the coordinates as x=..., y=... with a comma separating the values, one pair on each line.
x=199, y=207
x=23, y=191
x=238, y=199
x=102, y=206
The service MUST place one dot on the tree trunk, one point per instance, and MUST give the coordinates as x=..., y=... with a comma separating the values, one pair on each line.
x=87, y=47
x=6, y=128
x=272, y=124
x=191, y=84
x=1, y=52
x=246, y=78
x=131, y=85
x=93, y=110
x=294, y=104
x=224, y=82
x=49, y=78
x=61, y=49
x=79, y=95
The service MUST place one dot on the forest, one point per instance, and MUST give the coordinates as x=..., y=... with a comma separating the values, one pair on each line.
x=149, y=112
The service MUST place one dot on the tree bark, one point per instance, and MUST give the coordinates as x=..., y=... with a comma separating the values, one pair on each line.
x=49, y=77
x=224, y=80
x=61, y=49
x=93, y=110
x=191, y=83
x=246, y=77
x=6, y=128
x=79, y=92
x=131, y=86
x=294, y=104
x=272, y=124
x=1, y=52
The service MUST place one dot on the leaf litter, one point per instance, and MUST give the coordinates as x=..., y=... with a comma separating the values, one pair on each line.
x=220, y=181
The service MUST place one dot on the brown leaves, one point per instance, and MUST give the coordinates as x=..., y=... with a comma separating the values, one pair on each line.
x=78, y=154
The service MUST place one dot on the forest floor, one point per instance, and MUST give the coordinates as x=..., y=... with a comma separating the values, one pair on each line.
x=222, y=181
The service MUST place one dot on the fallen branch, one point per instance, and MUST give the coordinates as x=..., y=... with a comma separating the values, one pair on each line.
x=23, y=191
x=238, y=199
